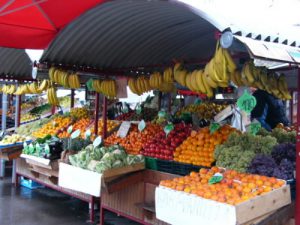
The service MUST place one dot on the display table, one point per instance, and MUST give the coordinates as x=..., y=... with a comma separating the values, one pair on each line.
x=23, y=169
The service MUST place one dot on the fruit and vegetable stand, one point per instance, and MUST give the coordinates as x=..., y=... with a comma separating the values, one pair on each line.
x=213, y=170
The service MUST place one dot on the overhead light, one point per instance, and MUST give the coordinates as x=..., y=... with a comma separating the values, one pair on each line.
x=226, y=39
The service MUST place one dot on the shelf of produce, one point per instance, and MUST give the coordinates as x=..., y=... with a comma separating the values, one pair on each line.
x=129, y=196
x=23, y=169
x=11, y=152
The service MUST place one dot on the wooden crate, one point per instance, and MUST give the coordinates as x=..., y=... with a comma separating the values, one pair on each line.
x=11, y=152
x=46, y=167
x=90, y=182
x=177, y=208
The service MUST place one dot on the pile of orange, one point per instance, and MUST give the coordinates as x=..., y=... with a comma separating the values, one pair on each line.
x=53, y=127
x=81, y=124
x=111, y=125
x=198, y=149
x=133, y=142
x=233, y=189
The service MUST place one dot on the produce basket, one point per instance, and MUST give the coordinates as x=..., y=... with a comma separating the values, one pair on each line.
x=46, y=167
x=177, y=208
x=90, y=182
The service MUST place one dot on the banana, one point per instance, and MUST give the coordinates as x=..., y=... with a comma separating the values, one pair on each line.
x=193, y=81
x=247, y=73
x=51, y=73
x=283, y=88
x=231, y=66
x=210, y=81
x=199, y=80
x=209, y=91
x=168, y=75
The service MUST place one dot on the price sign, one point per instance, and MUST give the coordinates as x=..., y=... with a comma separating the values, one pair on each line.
x=88, y=134
x=168, y=128
x=124, y=128
x=216, y=178
x=138, y=110
x=141, y=125
x=125, y=109
x=197, y=101
x=214, y=127
x=162, y=114
x=75, y=134
x=246, y=102
x=47, y=149
x=97, y=141
x=254, y=128
x=70, y=129
x=89, y=85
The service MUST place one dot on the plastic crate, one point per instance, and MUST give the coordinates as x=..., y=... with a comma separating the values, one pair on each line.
x=151, y=163
x=30, y=184
x=292, y=184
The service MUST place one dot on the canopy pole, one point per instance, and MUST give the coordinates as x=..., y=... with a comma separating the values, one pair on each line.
x=96, y=114
x=297, y=206
x=292, y=107
x=72, y=98
x=104, y=117
x=159, y=100
x=53, y=110
x=17, y=111
x=169, y=102
x=3, y=124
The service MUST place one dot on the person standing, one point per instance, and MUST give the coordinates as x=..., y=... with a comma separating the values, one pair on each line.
x=269, y=110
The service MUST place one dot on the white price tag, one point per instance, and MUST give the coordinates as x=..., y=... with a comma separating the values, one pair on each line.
x=97, y=141
x=124, y=129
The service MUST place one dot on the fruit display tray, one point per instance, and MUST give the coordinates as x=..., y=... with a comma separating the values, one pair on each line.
x=177, y=208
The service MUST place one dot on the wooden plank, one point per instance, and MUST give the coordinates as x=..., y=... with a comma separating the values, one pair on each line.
x=263, y=204
x=45, y=171
x=122, y=170
x=11, y=155
x=154, y=177
x=123, y=181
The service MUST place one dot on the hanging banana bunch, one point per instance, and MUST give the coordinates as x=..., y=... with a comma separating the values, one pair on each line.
x=155, y=80
x=180, y=74
x=73, y=81
x=109, y=88
x=168, y=75
x=52, y=97
x=142, y=84
x=44, y=85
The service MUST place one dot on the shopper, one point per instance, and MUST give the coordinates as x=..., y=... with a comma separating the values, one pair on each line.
x=269, y=110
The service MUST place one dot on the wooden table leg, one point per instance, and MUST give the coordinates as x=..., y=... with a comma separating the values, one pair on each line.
x=92, y=210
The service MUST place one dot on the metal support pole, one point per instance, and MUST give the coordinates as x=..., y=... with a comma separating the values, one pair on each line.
x=53, y=108
x=104, y=117
x=17, y=124
x=169, y=102
x=159, y=100
x=72, y=98
x=96, y=113
x=4, y=113
x=297, y=205
x=292, y=108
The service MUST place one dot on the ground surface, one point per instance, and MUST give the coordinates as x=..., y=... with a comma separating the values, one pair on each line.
x=22, y=206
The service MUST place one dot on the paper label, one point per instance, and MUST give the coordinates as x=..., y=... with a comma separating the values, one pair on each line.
x=142, y=125
x=70, y=129
x=162, y=114
x=216, y=178
x=124, y=129
x=168, y=128
x=88, y=134
x=75, y=134
x=97, y=141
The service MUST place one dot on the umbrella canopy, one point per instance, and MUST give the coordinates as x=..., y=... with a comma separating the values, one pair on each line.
x=34, y=23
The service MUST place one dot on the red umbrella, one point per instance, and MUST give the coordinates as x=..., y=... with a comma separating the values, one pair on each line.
x=34, y=23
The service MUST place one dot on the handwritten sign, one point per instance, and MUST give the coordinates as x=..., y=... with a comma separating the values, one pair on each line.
x=246, y=102
x=124, y=129
x=70, y=129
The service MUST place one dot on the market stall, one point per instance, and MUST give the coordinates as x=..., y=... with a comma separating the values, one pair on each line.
x=198, y=157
